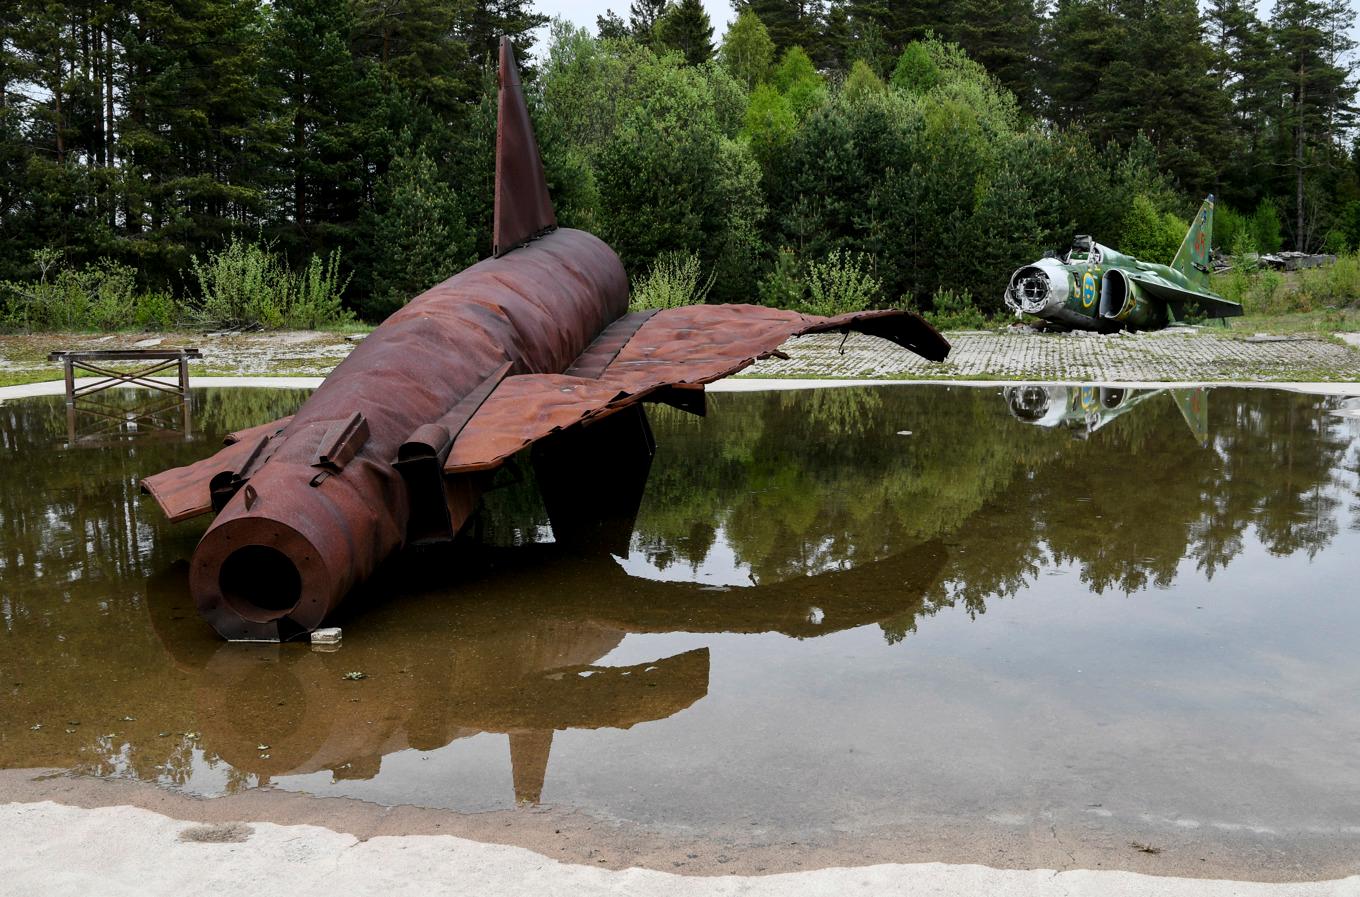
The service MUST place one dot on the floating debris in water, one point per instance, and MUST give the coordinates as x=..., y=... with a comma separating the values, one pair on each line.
x=355, y=676
x=35, y=727
x=1145, y=848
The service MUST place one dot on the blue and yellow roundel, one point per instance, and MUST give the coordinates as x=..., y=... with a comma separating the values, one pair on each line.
x=1088, y=290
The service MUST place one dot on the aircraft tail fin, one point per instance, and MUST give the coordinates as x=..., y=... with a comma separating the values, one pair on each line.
x=523, y=207
x=1192, y=259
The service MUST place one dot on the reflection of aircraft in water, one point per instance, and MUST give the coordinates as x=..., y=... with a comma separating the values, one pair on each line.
x=1085, y=409
x=518, y=652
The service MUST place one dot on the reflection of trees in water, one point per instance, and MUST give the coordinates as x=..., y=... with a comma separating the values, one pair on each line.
x=800, y=482
x=75, y=514
x=77, y=542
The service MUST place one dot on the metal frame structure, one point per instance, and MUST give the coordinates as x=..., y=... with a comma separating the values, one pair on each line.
x=110, y=418
x=93, y=362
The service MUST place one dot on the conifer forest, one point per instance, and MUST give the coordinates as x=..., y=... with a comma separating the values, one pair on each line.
x=897, y=151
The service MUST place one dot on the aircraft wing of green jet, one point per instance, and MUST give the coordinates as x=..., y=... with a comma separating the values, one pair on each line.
x=1191, y=302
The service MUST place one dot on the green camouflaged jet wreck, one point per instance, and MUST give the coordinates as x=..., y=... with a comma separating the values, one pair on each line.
x=1097, y=288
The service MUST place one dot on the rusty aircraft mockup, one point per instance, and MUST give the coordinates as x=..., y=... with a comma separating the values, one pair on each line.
x=1096, y=288
x=525, y=347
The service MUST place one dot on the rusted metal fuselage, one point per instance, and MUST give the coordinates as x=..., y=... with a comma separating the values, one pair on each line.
x=286, y=549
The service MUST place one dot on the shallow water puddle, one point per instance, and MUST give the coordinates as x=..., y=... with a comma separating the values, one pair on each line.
x=833, y=610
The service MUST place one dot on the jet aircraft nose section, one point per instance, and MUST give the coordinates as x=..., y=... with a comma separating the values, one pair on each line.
x=1034, y=288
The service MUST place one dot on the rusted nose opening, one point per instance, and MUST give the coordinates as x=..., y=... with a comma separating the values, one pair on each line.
x=260, y=583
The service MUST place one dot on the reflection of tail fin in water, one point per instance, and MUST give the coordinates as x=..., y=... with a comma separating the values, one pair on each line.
x=529, y=763
x=1194, y=407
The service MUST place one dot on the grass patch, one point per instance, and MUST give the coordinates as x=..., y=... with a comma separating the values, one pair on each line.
x=23, y=378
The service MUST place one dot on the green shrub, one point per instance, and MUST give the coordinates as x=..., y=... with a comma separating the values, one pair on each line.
x=1265, y=227
x=315, y=294
x=246, y=285
x=1150, y=235
x=156, y=311
x=101, y=296
x=951, y=310
x=842, y=282
x=1336, y=285
x=783, y=286
x=673, y=280
x=1267, y=292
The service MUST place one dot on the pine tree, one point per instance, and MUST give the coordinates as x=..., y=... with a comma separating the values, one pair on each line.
x=418, y=232
x=791, y=23
x=489, y=20
x=643, y=16
x=610, y=27
x=685, y=28
x=1312, y=39
x=416, y=44
x=324, y=102
x=194, y=137
x=1003, y=35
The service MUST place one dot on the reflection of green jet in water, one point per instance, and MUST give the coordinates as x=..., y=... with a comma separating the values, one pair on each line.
x=1085, y=409
x=1097, y=288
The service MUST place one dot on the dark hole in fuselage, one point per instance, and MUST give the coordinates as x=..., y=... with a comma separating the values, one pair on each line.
x=1113, y=292
x=260, y=583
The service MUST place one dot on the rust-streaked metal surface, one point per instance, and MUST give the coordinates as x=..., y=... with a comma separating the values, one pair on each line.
x=536, y=309
x=523, y=207
x=390, y=449
x=687, y=346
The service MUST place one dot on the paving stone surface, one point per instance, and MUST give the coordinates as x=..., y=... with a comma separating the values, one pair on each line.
x=1177, y=355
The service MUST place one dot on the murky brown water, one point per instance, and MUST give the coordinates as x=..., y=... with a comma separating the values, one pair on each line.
x=835, y=610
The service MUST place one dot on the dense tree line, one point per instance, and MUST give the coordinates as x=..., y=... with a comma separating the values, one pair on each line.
x=926, y=146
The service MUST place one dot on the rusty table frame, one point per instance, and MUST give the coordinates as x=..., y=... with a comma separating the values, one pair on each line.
x=93, y=361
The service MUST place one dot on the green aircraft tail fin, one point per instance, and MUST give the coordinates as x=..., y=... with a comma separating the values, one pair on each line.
x=1192, y=259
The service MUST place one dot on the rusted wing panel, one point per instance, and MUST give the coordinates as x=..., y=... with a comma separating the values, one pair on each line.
x=186, y=492
x=592, y=362
x=686, y=346
x=523, y=207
